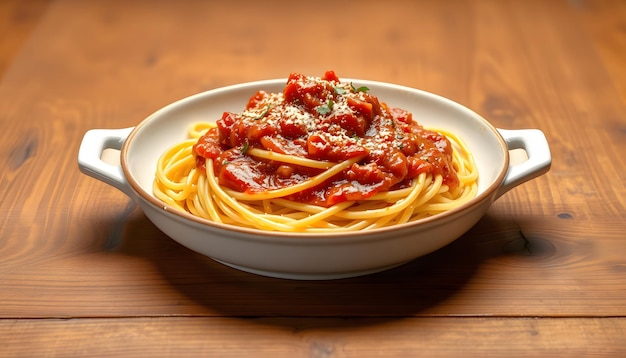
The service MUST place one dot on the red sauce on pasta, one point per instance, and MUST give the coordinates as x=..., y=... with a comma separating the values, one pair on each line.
x=324, y=119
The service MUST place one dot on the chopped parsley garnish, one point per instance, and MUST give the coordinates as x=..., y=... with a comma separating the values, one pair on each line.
x=245, y=147
x=340, y=90
x=264, y=113
x=360, y=89
x=326, y=108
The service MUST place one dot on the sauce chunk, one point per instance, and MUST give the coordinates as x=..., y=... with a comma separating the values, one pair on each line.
x=326, y=120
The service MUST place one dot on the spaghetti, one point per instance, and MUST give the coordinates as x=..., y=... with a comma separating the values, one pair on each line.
x=322, y=156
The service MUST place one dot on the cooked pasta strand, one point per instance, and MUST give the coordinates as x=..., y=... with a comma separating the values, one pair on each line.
x=179, y=184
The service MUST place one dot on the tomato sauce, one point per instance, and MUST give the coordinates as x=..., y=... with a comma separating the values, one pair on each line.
x=327, y=120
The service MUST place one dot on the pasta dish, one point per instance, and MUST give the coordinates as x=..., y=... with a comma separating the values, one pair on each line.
x=320, y=156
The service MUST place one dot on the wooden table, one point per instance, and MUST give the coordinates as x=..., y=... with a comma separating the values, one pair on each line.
x=84, y=273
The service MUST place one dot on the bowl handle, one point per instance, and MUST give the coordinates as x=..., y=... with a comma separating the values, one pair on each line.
x=90, y=160
x=534, y=142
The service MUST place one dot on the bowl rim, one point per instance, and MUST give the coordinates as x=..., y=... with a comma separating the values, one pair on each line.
x=149, y=198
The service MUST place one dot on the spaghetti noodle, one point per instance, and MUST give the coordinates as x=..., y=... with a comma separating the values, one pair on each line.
x=321, y=156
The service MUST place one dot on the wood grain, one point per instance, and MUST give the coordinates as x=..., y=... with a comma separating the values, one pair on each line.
x=543, y=272
x=324, y=337
x=17, y=20
x=605, y=24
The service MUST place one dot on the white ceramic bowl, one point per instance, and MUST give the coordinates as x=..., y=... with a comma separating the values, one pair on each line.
x=311, y=256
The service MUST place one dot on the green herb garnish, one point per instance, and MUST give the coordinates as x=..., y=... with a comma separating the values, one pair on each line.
x=340, y=90
x=245, y=147
x=267, y=109
x=360, y=89
x=326, y=108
